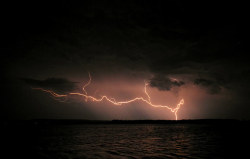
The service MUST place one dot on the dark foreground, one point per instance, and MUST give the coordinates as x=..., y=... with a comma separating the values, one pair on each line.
x=73, y=139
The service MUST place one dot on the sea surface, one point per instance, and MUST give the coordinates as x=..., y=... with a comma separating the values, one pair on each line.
x=76, y=141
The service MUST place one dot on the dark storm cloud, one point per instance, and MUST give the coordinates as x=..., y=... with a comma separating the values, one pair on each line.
x=57, y=84
x=164, y=83
x=155, y=40
x=211, y=86
x=138, y=36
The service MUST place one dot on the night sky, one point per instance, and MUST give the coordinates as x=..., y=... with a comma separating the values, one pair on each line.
x=185, y=49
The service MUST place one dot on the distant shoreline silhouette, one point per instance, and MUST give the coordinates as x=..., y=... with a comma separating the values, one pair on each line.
x=83, y=121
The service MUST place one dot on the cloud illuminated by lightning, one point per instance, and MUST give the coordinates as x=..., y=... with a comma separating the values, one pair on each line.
x=64, y=97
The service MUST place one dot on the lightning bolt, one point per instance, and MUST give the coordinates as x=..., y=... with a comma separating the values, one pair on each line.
x=83, y=88
x=64, y=97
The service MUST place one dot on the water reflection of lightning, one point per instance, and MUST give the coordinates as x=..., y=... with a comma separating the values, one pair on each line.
x=64, y=97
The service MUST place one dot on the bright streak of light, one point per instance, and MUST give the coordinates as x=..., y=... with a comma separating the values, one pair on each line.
x=64, y=97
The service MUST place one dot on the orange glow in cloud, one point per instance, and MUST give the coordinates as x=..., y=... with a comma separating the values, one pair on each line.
x=64, y=97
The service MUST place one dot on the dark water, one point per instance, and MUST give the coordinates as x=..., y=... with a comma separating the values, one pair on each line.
x=126, y=141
